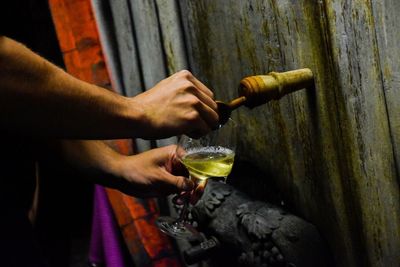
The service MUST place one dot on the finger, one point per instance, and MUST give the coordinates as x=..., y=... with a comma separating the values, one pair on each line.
x=201, y=128
x=180, y=183
x=209, y=116
x=201, y=86
x=183, y=183
x=189, y=76
x=198, y=192
x=177, y=168
x=206, y=99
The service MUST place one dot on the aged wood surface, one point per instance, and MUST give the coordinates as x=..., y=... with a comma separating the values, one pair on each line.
x=386, y=18
x=149, y=44
x=118, y=40
x=330, y=151
x=152, y=58
x=172, y=36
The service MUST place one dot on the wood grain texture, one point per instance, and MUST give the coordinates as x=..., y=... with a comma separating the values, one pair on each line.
x=386, y=18
x=330, y=151
x=172, y=36
x=152, y=56
x=119, y=44
x=145, y=21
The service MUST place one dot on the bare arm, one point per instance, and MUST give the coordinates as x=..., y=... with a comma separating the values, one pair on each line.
x=39, y=99
x=148, y=174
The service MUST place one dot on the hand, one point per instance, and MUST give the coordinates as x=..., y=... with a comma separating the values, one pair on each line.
x=180, y=104
x=151, y=174
x=192, y=196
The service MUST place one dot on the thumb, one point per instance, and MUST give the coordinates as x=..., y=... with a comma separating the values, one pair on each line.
x=181, y=183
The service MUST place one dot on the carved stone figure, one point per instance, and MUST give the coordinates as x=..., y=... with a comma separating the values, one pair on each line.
x=253, y=233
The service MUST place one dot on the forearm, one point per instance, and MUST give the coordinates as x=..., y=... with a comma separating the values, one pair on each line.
x=99, y=162
x=37, y=98
x=147, y=174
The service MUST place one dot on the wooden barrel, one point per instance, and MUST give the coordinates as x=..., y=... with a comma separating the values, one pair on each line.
x=331, y=153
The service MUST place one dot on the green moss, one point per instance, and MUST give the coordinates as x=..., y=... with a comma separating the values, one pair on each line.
x=203, y=33
x=169, y=53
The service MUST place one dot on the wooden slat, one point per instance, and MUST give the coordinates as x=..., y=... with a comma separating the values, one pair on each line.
x=148, y=41
x=375, y=210
x=386, y=17
x=172, y=36
x=150, y=46
x=329, y=152
x=120, y=43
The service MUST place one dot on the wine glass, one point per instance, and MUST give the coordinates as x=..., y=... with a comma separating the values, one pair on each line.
x=210, y=156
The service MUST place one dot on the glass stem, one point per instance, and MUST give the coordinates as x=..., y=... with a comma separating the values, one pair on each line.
x=184, y=212
x=185, y=208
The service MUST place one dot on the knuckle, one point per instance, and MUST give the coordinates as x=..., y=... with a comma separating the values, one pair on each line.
x=193, y=116
x=178, y=183
x=194, y=102
x=186, y=73
x=187, y=85
x=214, y=106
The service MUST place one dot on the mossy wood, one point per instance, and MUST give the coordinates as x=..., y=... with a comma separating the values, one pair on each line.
x=331, y=152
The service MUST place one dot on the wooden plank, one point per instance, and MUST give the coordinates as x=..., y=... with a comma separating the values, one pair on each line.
x=386, y=18
x=262, y=36
x=375, y=206
x=119, y=32
x=119, y=43
x=327, y=148
x=150, y=46
x=172, y=35
x=312, y=132
x=149, y=42
x=330, y=152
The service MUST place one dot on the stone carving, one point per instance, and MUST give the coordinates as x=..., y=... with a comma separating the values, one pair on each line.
x=254, y=233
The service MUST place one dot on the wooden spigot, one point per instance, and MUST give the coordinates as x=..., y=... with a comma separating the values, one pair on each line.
x=260, y=89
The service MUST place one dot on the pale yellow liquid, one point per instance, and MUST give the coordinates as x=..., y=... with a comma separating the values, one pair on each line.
x=206, y=162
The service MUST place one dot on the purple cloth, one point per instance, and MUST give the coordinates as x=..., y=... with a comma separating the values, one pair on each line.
x=106, y=244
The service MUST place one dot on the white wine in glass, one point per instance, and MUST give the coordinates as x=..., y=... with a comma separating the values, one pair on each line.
x=205, y=162
x=210, y=156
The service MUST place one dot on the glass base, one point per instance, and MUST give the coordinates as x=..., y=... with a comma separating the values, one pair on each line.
x=171, y=227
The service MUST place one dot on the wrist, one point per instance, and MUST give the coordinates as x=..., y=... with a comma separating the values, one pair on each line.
x=139, y=117
x=113, y=171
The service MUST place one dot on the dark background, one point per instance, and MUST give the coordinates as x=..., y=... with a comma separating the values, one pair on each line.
x=65, y=200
